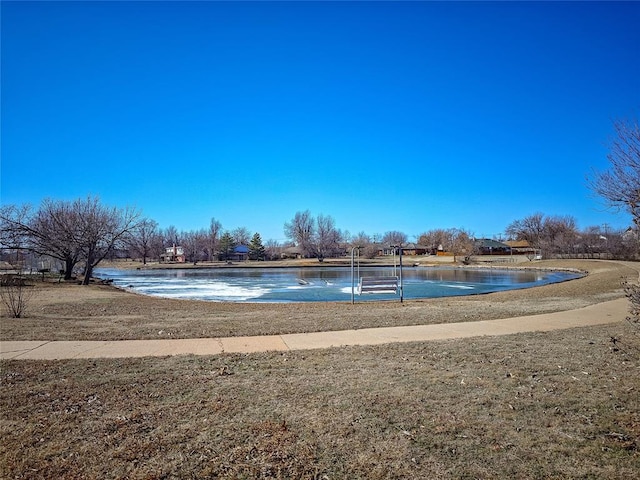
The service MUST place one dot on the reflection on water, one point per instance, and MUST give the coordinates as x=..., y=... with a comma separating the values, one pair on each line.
x=320, y=284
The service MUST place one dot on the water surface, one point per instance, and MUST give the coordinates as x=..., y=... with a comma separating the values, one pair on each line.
x=320, y=283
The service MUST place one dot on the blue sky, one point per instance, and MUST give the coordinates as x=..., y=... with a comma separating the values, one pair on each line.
x=386, y=116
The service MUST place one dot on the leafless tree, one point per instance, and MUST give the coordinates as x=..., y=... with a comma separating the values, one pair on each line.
x=100, y=229
x=620, y=188
x=317, y=237
x=272, y=249
x=13, y=233
x=552, y=235
x=559, y=234
x=213, y=238
x=620, y=185
x=437, y=239
x=394, y=238
x=241, y=235
x=171, y=236
x=194, y=243
x=594, y=242
x=327, y=237
x=462, y=244
x=82, y=230
x=143, y=239
x=529, y=228
x=301, y=230
x=49, y=231
x=202, y=238
x=369, y=248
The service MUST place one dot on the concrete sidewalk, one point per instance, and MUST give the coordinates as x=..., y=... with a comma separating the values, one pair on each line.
x=602, y=313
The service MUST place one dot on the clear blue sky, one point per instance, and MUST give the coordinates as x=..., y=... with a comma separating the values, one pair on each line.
x=387, y=116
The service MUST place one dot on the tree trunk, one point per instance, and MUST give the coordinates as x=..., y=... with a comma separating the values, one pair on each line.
x=68, y=268
x=87, y=274
x=88, y=269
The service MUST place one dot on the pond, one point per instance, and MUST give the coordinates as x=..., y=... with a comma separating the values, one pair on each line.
x=317, y=284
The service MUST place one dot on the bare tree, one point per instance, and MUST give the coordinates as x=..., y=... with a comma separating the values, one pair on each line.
x=49, y=231
x=202, y=238
x=620, y=188
x=215, y=227
x=171, y=236
x=620, y=185
x=369, y=248
x=327, y=237
x=13, y=232
x=553, y=235
x=394, y=238
x=559, y=234
x=301, y=230
x=194, y=243
x=143, y=239
x=100, y=229
x=241, y=235
x=82, y=230
x=437, y=239
x=530, y=228
x=272, y=249
x=462, y=244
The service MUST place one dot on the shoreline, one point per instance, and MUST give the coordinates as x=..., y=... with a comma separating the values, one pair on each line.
x=497, y=263
x=68, y=311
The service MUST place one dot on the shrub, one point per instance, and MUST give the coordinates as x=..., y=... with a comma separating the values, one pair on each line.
x=15, y=294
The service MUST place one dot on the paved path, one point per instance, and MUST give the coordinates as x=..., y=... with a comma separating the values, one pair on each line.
x=613, y=311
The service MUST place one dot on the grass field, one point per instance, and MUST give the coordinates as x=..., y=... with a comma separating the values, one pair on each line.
x=564, y=404
x=557, y=405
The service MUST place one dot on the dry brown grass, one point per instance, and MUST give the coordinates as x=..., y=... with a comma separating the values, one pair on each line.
x=540, y=405
x=553, y=405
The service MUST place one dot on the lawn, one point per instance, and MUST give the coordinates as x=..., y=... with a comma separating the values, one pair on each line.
x=564, y=404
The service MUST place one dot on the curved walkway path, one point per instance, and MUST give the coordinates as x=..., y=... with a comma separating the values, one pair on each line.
x=613, y=311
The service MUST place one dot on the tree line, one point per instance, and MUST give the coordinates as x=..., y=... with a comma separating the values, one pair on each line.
x=83, y=232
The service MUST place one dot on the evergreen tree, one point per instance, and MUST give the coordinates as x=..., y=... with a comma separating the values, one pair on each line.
x=227, y=244
x=256, y=249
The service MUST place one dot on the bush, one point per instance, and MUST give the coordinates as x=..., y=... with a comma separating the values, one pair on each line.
x=15, y=294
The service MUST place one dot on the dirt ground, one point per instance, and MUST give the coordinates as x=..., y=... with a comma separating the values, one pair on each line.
x=60, y=311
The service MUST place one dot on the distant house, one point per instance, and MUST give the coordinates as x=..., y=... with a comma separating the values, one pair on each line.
x=240, y=253
x=414, y=249
x=173, y=254
x=408, y=249
x=291, y=252
x=520, y=247
x=486, y=246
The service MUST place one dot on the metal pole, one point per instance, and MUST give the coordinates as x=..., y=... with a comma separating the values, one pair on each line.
x=352, y=286
x=401, y=289
x=394, y=260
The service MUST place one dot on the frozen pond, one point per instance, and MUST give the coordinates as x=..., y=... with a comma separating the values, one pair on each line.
x=319, y=283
